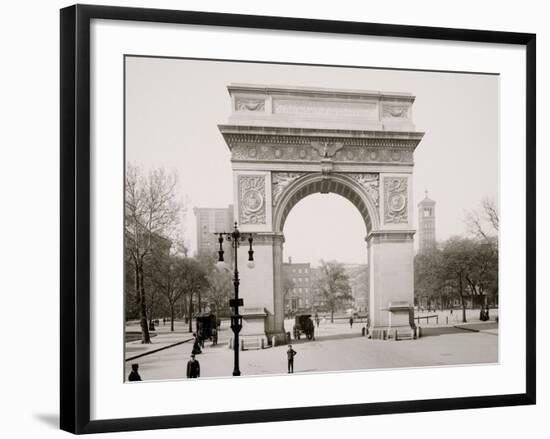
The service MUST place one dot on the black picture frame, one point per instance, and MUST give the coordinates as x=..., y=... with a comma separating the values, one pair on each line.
x=75, y=217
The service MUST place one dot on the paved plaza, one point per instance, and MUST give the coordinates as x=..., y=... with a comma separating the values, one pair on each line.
x=336, y=347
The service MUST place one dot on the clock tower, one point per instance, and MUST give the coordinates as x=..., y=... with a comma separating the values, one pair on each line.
x=426, y=223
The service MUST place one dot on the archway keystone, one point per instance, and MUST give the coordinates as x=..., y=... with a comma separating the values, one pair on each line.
x=287, y=143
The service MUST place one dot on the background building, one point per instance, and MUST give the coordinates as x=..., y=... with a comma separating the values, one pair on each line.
x=426, y=224
x=298, y=282
x=210, y=221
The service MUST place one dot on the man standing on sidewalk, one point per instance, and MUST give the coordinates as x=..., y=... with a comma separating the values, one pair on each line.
x=193, y=368
x=134, y=375
x=290, y=355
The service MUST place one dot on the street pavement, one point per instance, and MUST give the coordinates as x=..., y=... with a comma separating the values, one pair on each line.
x=336, y=347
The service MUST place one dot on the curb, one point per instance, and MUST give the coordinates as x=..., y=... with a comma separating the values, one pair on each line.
x=158, y=350
x=466, y=329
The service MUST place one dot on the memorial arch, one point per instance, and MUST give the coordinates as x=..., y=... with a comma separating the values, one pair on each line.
x=287, y=143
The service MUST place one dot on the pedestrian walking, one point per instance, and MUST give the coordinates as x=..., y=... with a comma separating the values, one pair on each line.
x=214, y=336
x=134, y=375
x=193, y=368
x=351, y=322
x=196, y=345
x=291, y=353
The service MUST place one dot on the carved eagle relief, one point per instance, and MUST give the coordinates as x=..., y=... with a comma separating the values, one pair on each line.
x=327, y=149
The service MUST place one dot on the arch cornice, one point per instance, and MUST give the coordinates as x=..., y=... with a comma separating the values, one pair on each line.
x=361, y=189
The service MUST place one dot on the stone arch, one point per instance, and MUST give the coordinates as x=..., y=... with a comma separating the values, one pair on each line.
x=346, y=186
x=287, y=143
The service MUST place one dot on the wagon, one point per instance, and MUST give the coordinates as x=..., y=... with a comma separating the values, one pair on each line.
x=303, y=325
x=206, y=326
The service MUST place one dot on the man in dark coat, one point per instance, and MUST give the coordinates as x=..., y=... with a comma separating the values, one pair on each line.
x=290, y=355
x=193, y=368
x=134, y=375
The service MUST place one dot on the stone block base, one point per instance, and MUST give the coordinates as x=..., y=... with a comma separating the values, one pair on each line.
x=249, y=342
x=279, y=338
x=393, y=333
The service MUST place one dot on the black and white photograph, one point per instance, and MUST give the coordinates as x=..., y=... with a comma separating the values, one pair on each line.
x=299, y=219
x=275, y=219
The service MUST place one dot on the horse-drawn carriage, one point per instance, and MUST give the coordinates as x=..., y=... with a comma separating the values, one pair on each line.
x=207, y=327
x=303, y=325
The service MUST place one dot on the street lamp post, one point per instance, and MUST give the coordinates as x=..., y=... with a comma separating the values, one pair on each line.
x=235, y=237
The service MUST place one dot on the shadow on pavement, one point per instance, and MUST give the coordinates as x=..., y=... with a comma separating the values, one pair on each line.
x=462, y=329
x=326, y=338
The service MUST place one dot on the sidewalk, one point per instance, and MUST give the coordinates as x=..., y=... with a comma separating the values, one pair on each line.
x=164, y=338
x=336, y=347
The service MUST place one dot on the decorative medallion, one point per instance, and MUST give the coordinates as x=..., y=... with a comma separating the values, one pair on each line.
x=369, y=182
x=280, y=181
x=252, y=199
x=242, y=104
x=252, y=152
x=396, y=156
x=395, y=200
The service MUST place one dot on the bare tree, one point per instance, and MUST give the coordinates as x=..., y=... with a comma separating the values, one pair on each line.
x=194, y=280
x=220, y=287
x=491, y=212
x=168, y=277
x=485, y=223
x=152, y=212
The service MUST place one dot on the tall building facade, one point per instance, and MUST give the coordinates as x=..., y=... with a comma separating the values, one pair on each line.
x=298, y=286
x=209, y=222
x=426, y=224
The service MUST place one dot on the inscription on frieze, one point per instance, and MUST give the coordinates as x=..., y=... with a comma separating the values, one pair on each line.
x=361, y=110
x=252, y=209
x=395, y=200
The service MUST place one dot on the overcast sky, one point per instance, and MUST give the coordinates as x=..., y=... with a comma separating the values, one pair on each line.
x=174, y=106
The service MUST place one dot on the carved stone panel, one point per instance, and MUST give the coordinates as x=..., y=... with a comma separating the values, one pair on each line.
x=316, y=151
x=252, y=199
x=369, y=182
x=280, y=181
x=244, y=104
x=395, y=200
x=398, y=111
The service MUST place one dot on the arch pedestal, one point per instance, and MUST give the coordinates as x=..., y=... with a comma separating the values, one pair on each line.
x=391, y=289
x=289, y=143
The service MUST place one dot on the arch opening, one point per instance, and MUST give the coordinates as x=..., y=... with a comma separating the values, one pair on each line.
x=337, y=184
x=327, y=227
